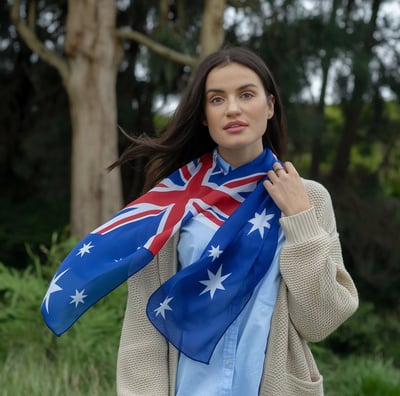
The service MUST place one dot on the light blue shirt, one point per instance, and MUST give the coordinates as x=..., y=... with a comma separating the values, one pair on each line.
x=236, y=366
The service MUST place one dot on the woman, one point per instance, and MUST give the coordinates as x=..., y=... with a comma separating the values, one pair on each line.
x=232, y=110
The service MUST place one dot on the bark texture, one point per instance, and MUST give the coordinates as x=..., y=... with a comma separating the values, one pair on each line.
x=212, y=30
x=93, y=54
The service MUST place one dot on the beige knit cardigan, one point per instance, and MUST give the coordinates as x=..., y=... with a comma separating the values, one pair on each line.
x=316, y=295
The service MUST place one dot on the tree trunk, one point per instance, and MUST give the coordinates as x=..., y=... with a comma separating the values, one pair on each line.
x=316, y=155
x=347, y=139
x=94, y=55
x=212, y=33
x=354, y=107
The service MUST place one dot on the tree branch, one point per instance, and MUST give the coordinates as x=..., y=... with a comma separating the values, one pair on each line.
x=32, y=15
x=237, y=3
x=28, y=35
x=158, y=48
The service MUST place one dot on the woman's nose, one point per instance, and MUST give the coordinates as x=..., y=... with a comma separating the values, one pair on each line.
x=232, y=107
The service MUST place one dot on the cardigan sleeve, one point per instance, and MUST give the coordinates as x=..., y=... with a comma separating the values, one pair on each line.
x=321, y=293
x=142, y=364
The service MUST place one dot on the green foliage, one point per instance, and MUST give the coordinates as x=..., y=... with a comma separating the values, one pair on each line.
x=22, y=293
x=28, y=371
x=369, y=224
x=81, y=361
x=368, y=332
x=160, y=121
x=164, y=73
x=358, y=376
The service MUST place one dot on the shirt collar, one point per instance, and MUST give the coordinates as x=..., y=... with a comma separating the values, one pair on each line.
x=225, y=167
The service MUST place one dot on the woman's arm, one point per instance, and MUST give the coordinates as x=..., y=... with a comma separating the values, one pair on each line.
x=321, y=293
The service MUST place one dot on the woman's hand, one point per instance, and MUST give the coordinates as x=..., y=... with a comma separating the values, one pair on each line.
x=286, y=189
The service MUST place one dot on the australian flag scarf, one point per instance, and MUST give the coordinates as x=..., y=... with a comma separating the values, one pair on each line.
x=194, y=307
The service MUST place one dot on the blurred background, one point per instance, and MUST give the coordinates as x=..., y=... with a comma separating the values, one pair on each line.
x=74, y=74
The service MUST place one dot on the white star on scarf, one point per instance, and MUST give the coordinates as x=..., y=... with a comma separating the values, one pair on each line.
x=260, y=221
x=214, y=282
x=85, y=249
x=53, y=288
x=215, y=252
x=78, y=298
x=164, y=306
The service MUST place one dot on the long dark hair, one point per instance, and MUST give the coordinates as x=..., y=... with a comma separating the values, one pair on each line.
x=186, y=137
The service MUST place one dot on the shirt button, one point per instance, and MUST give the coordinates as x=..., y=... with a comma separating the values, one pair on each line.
x=228, y=362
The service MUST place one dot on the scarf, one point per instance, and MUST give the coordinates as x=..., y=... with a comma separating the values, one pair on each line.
x=193, y=308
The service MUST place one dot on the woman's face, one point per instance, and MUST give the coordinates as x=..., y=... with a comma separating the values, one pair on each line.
x=237, y=110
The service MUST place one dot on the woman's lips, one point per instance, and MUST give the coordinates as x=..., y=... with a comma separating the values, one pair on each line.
x=235, y=126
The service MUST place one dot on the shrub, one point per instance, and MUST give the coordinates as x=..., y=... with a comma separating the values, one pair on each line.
x=368, y=332
x=362, y=376
x=36, y=362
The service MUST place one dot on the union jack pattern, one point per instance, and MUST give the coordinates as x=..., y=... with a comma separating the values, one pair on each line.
x=193, y=189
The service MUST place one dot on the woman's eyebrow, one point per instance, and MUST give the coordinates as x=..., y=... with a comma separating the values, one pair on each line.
x=220, y=90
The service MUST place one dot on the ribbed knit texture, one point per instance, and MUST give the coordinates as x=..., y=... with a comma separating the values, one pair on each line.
x=316, y=295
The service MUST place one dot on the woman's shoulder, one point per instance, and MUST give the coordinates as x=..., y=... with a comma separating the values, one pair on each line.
x=320, y=198
x=316, y=190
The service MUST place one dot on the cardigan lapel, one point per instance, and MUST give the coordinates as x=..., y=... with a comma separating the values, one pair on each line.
x=167, y=267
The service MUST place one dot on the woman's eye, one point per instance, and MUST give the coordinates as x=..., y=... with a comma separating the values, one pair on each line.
x=216, y=99
x=247, y=95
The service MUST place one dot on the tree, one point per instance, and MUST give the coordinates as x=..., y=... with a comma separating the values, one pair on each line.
x=88, y=72
x=353, y=101
x=88, y=68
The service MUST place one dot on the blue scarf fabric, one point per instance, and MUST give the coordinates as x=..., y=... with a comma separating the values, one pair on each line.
x=194, y=307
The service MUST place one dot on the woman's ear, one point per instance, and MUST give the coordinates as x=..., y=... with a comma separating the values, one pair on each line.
x=271, y=106
x=204, y=122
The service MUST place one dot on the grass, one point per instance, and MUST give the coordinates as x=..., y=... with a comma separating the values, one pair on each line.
x=80, y=362
x=75, y=371
x=363, y=376
x=35, y=362
x=357, y=375
x=31, y=372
